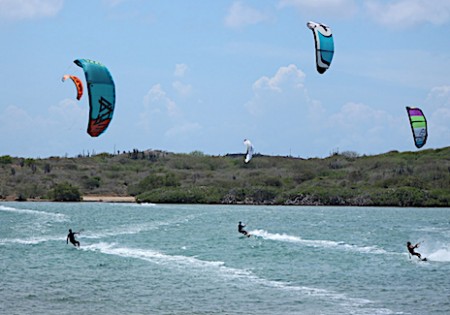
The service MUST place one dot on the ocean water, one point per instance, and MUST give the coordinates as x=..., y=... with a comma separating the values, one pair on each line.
x=190, y=259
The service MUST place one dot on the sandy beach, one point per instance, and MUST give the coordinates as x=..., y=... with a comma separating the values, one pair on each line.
x=97, y=198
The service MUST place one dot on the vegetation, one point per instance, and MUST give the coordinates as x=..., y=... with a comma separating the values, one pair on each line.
x=65, y=192
x=420, y=178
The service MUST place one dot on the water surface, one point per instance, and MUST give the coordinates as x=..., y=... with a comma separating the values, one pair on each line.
x=190, y=259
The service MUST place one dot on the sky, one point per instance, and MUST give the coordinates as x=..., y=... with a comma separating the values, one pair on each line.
x=196, y=75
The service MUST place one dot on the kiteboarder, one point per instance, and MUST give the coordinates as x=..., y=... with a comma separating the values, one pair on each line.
x=71, y=237
x=241, y=229
x=411, y=249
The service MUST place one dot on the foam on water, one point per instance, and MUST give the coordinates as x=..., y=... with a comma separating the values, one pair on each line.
x=193, y=251
x=135, y=228
x=317, y=243
x=59, y=217
x=31, y=240
x=441, y=255
x=218, y=268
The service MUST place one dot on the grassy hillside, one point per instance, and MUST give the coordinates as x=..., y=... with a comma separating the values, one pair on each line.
x=420, y=178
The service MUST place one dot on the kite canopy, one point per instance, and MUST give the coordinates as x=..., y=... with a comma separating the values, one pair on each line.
x=102, y=95
x=323, y=39
x=418, y=125
x=249, y=153
x=77, y=82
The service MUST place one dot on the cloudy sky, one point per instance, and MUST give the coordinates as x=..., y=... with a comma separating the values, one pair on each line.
x=196, y=75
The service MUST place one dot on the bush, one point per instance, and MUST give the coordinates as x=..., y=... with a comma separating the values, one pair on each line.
x=154, y=181
x=181, y=195
x=65, y=192
x=6, y=159
x=91, y=182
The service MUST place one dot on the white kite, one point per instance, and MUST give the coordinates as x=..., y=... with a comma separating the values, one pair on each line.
x=249, y=153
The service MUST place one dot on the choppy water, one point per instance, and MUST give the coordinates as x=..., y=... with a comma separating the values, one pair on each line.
x=189, y=259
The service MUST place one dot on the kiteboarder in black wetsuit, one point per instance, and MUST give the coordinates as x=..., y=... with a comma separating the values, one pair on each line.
x=71, y=237
x=411, y=249
x=241, y=229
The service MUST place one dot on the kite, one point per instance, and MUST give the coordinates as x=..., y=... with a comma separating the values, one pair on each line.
x=418, y=126
x=324, y=45
x=77, y=82
x=102, y=95
x=249, y=153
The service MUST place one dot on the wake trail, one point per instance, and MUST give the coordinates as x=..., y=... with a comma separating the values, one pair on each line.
x=56, y=216
x=125, y=230
x=441, y=255
x=218, y=269
x=33, y=240
x=317, y=243
x=436, y=251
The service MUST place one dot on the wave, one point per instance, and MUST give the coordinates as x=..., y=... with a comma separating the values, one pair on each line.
x=136, y=205
x=218, y=268
x=125, y=230
x=31, y=240
x=56, y=216
x=135, y=229
x=441, y=255
x=317, y=243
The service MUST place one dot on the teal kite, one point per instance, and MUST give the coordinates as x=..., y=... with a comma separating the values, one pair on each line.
x=323, y=39
x=418, y=126
x=102, y=95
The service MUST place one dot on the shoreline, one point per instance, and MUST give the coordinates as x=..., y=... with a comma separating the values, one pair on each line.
x=87, y=198
x=106, y=198
x=131, y=199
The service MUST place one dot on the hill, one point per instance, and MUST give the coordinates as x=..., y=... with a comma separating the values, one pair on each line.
x=420, y=178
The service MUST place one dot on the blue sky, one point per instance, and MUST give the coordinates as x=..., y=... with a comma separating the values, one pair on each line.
x=196, y=75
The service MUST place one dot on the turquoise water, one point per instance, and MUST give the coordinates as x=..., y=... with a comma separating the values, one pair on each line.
x=190, y=259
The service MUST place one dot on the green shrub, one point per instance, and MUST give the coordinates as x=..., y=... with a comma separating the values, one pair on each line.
x=92, y=182
x=6, y=159
x=65, y=192
x=181, y=195
x=154, y=181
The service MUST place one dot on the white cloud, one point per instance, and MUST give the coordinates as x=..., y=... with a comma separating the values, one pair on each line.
x=181, y=88
x=180, y=70
x=159, y=102
x=28, y=9
x=439, y=97
x=15, y=119
x=289, y=75
x=59, y=117
x=282, y=101
x=340, y=8
x=278, y=89
x=371, y=130
x=162, y=117
x=437, y=111
x=240, y=15
x=406, y=13
x=58, y=125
